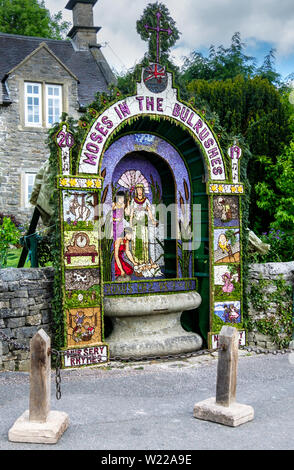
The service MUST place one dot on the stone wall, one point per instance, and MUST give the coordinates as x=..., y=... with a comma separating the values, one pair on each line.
x=268, y=272
x=25, y=296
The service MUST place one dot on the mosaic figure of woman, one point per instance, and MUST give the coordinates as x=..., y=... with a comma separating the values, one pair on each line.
x=123, y=256
x=140, y=213
x=228, y=285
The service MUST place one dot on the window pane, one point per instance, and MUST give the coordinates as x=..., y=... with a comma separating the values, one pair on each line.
x=29, y=184
x=54, y=105
x=33, y=103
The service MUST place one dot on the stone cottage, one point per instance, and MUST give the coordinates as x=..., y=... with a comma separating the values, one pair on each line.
x=40, y=79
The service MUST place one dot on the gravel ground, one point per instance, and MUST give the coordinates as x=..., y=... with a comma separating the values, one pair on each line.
x=149, y=405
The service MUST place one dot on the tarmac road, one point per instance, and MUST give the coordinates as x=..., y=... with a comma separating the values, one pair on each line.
x=149, y=406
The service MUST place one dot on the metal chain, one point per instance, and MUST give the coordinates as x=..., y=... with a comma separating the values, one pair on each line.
x=58, y=365
x=165, y=357
x=202, y=352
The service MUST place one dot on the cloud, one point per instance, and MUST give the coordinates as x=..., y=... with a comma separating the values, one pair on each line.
x=202, y=23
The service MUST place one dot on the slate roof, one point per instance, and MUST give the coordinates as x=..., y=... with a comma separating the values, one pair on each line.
x=15, y=48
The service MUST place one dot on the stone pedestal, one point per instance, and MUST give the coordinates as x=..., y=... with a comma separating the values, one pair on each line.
x=47, y=432
x=150, y=325
x=232, y=415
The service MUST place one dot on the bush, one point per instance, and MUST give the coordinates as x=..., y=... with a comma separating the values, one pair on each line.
x=9, y=235
x=13, y=219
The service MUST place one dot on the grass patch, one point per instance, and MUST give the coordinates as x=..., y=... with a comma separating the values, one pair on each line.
x=13, y=258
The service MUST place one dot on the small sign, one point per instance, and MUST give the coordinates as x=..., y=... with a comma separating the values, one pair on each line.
x=215, y=339
x=91, y=355
x=235, y=153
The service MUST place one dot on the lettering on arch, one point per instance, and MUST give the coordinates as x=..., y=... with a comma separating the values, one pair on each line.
x=144, y=103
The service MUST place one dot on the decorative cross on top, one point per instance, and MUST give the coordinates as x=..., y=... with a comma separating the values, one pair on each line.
x=158, y=30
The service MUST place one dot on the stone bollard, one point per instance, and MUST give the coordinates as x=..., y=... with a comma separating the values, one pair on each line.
x=223, y=408
x=39, y=424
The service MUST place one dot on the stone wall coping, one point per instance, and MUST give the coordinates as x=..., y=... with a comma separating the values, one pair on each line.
x=17, y=274
x=272, y=270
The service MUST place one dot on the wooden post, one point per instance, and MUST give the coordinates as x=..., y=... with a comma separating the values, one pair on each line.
x=39, y=424
x=40, y=377
x=223, y=408
x=227, y=366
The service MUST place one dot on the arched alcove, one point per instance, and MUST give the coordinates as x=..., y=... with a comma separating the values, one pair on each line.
x=145, y=157
x=190, y=154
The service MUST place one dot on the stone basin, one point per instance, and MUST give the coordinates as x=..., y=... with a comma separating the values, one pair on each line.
x=150, y=325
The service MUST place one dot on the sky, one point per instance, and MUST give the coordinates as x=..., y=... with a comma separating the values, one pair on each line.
x=263, y=24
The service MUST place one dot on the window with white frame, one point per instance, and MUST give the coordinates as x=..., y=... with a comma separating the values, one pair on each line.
x=33, y=104
x=29, y=180
x=53, y=104
x=42, y=112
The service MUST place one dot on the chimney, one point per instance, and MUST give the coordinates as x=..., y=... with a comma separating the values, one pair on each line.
x=83, y=33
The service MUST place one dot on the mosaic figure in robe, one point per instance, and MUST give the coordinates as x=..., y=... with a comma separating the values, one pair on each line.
x=140, y=213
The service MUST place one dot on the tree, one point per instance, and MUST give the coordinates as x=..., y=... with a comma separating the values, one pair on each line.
x=127, y=81
x=257, y=110
x=267, y=69
x=167, y=40
x=31, y=18
x=222, y=63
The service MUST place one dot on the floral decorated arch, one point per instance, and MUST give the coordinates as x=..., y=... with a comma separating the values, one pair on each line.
x=105, y=254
